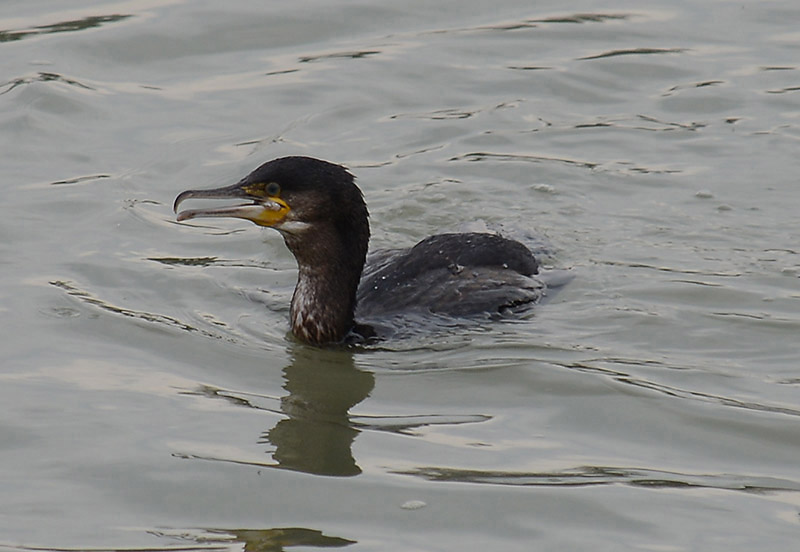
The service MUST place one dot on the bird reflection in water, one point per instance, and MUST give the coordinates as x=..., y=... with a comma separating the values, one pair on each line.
x=316, y=433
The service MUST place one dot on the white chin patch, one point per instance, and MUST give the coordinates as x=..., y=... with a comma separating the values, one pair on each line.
x=292, y=226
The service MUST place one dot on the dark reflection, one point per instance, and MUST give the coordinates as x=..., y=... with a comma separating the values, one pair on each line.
x=209, y=261
x=438, y=115
x=79, y=179
x=528, y=67
x=186, y=261
x=44, y=76
x=585, y=476
x=635, y=51
x=317, y=432
x=335, y=55
x=276, y=540
x=483, y=156
x=583, y=18
x=61, y=27
x=254, y=540
x=317, y=435
x=784, y=90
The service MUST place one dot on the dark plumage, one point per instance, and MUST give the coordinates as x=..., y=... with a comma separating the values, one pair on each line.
x=322, y=216
x=454, y=274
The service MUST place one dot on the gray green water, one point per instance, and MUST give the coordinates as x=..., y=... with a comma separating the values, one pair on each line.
x=152, y=398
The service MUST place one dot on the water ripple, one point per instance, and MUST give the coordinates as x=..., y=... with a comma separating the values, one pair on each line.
x=160, y=319
x=584, y=476
x=482, y=156
x=209, y=261
x=635, y=52
x=42, y=76
x=784, y=90
x=356, y=54
x=584, y=18
x=61, y=27
x=80, y=179
x=591, y=366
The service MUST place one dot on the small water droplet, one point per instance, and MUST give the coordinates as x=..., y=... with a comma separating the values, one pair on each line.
x=413, y=505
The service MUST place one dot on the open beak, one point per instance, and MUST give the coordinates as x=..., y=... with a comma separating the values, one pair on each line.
x=264, y=211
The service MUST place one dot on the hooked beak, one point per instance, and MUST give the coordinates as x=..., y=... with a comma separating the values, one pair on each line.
x=262, y=210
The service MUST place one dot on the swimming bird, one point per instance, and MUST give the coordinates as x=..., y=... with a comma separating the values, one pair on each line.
x=322, y=216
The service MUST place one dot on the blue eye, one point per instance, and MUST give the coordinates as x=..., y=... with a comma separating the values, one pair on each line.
x=273, y=189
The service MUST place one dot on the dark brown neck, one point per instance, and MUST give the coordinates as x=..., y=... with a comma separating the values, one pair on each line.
x=329, y=269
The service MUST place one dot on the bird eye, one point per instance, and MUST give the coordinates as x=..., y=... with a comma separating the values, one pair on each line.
x=273, y=189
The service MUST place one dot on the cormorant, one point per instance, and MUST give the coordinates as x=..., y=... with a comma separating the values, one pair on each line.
x=322, y=216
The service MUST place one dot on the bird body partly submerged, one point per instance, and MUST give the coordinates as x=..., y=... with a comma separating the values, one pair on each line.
x=322, y=216
x=452, y=274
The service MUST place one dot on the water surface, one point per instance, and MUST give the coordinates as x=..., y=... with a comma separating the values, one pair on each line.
x=154, y=399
